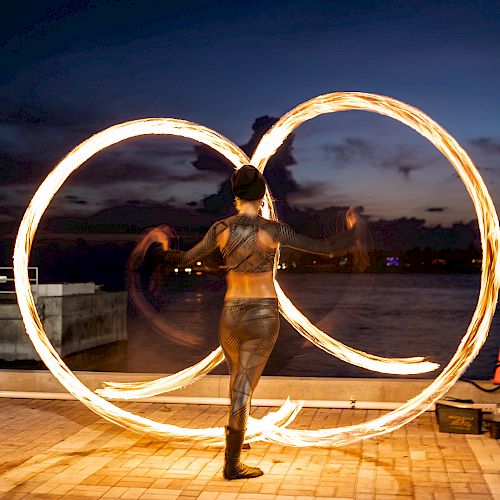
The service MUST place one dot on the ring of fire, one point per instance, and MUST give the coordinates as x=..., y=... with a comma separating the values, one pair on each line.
x=273, y=426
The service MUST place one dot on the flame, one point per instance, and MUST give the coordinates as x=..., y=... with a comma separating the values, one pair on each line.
x=34, y=328
x=273, y=427
x=161, y=235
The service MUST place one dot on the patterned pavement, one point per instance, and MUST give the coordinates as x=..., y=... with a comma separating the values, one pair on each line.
x=53, y=449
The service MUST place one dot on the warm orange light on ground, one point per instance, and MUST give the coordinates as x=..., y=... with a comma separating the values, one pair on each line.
x=273, y=426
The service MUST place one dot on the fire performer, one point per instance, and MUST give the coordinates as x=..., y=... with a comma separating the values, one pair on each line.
x=249, y=323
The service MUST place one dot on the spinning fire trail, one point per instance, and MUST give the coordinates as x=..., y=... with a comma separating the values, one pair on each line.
x=273, y=427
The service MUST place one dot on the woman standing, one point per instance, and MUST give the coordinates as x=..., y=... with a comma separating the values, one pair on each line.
x=249, y=324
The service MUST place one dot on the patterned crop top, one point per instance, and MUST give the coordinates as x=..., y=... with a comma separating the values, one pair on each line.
x=245, y=253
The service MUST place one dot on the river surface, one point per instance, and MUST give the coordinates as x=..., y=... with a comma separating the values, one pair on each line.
x=391, y=315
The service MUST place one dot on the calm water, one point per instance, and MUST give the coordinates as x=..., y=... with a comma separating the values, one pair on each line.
x=386, y=314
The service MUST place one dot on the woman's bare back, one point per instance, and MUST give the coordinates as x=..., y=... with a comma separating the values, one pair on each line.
x=249, y=285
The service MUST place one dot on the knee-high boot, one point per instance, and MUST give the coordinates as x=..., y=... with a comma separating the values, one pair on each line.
x=233, y=468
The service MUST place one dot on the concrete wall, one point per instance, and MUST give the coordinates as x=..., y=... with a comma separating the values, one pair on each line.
x=14, y=342
x=73, y=323
x=217, y=386
x=93, y=320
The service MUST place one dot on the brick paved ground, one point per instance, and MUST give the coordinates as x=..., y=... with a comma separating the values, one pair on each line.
x=52, y=449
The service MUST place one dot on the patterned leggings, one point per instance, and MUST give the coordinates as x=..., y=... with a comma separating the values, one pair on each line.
x=248, y=331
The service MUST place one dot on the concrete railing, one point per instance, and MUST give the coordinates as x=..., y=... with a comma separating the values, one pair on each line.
x=7, y=276
x=73, y=323
x=317, y=391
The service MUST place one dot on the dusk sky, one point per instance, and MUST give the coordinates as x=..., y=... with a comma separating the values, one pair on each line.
x=71, y=69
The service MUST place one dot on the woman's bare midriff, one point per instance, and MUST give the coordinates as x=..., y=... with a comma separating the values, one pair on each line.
x=249, y=285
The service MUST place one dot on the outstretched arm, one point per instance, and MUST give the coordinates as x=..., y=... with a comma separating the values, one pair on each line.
x=167, y=260
x=206, y=246
x=337, y=244
x=354, y=240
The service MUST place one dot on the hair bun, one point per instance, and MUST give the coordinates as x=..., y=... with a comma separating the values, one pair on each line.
x=248, y=183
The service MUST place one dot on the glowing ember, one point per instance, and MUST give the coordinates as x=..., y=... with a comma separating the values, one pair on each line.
x=272, y=427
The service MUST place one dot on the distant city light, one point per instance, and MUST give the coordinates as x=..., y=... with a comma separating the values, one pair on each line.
x=176, y=270
x=198, y=263
x=392, y=261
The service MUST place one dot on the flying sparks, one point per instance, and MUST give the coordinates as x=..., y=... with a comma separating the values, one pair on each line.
x=273, y=427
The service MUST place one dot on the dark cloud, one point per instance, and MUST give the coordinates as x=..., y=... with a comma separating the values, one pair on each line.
x=115, y=173
x=349, y=150
x=309, y=194
x=311, y=189
x=124, y=60
x=150, y=164
x=436, y=209
x=34, y=137
x=398, y=161
x=135, y=203
x=76, y=200
x=406, y=170
x=209, y=160
x=26, y=113
x=277, y=173
x=487, y=145
x=356, y=150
